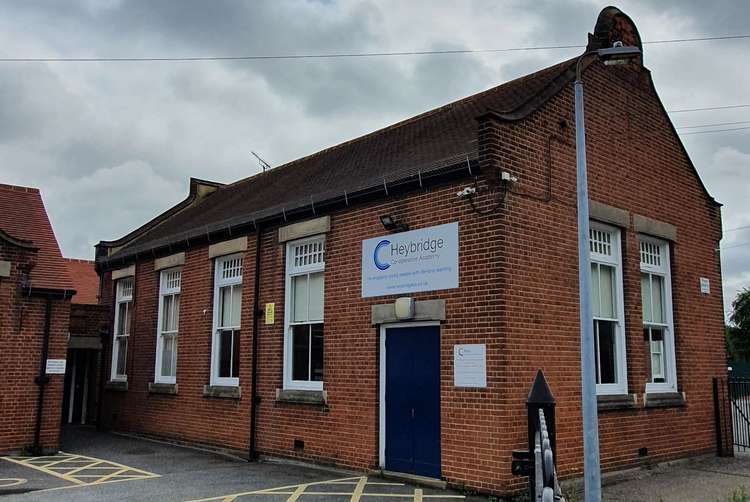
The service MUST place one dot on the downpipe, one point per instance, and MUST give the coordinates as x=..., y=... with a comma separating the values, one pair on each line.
x=42, y=379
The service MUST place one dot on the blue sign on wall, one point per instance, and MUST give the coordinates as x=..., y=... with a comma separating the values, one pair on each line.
x=409, y=262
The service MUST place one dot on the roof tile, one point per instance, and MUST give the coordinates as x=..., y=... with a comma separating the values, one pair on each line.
x=85, y=281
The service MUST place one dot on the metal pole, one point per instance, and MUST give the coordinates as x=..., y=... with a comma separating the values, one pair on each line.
x=591, y=469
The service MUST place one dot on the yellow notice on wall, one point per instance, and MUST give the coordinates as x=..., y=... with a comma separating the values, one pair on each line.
x=270, y=309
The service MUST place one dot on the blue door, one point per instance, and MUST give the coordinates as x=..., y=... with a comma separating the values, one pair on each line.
x=412, y=400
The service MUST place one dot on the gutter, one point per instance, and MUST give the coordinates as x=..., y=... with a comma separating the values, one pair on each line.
x=51, y=293
x=253, y=454
x=460, y=167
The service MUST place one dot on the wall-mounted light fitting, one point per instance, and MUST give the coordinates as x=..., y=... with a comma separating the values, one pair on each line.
x=392, y=224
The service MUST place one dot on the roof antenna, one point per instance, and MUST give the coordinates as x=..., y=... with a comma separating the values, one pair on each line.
x=265, y=165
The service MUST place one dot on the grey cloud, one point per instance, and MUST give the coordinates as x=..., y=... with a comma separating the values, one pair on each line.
x=84, y=132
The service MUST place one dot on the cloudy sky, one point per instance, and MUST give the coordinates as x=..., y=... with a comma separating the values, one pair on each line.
x=113, y=144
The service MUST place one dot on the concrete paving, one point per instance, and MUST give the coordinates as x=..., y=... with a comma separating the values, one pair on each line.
x=702, y=479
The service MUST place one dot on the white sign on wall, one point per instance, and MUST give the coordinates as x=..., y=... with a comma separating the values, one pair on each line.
x=705, y=286
x=409, y=262
x=55, y=367
x=470, y=365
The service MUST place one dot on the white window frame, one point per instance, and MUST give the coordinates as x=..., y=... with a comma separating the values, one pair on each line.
x=219, y=283
x=164, y=291
x=290, y=272
x=668, y=347
x=121, y=296
x=614, y=260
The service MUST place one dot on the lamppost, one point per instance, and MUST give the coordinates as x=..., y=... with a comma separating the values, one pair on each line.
x=618, y=54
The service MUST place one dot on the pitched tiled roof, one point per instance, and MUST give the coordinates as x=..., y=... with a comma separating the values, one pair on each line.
x=23, y=217
x=85, y=281
x=435, y=139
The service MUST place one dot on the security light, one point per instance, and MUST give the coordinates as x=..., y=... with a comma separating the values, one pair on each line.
x=390, y=223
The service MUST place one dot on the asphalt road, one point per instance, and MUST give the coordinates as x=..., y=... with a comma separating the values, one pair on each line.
x=100, y=466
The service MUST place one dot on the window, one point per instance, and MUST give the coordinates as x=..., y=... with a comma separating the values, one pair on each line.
x=607, y=309
x=305, y=287
x=225, y=355
x=168, y=325
x=123, y=323
x=656, y=303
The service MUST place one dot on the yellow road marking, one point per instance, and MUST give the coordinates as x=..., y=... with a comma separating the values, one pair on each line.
x=359, y=489
x=44, y=470
x=104, y=479
x=71, y=458
x=297, y=493
x=73, y=470
x=357, y=494
x=85, y=485
x=280, y=490
x=8, y=482
x=83, y=471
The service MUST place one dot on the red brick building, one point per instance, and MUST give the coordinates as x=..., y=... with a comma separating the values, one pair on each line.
x=261, y=316
x=35, y=292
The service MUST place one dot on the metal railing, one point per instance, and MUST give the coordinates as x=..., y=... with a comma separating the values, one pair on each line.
x=739, y=399
x=545, y=477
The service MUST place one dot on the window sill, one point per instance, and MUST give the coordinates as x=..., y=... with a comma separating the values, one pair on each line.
x=615, y=402
x=664, y=400
x=117, y=385
x=314, y=397
x=162, y=388
x=222, y=391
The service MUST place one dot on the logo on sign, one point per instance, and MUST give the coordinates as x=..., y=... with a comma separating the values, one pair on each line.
x=375, y=255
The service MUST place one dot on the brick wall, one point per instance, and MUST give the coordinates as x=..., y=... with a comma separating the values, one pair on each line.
x=634, y=163
x=518, y=295
x=21, y=339
x=188, y=415
x=88, y=320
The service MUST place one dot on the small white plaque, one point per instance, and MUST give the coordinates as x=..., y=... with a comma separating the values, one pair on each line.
x=470, y=365
x=55, y=366
x=705, y=286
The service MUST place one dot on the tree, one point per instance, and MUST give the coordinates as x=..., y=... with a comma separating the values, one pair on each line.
x=738, y=333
